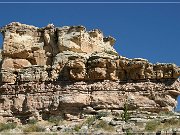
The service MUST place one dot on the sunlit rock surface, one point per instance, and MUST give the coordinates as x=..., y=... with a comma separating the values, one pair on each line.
x=69, y=71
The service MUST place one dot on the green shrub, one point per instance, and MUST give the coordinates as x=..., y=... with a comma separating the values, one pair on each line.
x=125, y=115
x=50, y=134
x=7, y=126
x=33, y=128
x=32, y=121
x=55, y=119
x=104, y=125
x=112, y=53
x=128, y=132
x=90, y=120
x=166, y=113
x=172, y=121
x=77, y=127
x=152, y=125
x=101, y=114
x=166, y=124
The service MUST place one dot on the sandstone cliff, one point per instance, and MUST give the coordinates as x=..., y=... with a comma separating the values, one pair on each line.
x=70, y=71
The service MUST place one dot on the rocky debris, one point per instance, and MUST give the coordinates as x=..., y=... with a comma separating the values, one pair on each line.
x=97, y=124
x=72, y=72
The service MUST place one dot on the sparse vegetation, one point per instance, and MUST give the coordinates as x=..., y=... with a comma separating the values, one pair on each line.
x=101, y=114
x=159, y=125
x=77, y=127
x=7, y=126
x=33, y=128
x=125, y=115
x=172, y=121
x=90, y=120
x=32, y=121
x=104, y=125
x=95, y=122
x=128, y=132
x=55, y=119
x=166, y=113
x=50, y=134
x=112, y=53
x=152, y=125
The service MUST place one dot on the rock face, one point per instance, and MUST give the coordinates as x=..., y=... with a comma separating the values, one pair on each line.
x=67, y=70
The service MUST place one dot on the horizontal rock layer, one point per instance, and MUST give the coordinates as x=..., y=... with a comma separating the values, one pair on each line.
x=68, y=70
x=64, y=98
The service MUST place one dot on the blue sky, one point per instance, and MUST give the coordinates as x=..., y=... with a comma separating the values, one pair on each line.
x=150, y=31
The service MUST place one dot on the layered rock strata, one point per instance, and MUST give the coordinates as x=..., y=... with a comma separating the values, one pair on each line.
x=70, y=71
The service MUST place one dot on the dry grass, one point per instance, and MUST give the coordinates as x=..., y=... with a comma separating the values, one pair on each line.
x=33, y=128
x=104, y=125
x=164, y=125
x=7, y=126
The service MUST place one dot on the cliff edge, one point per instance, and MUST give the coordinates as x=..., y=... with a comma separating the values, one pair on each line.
x=73, y=72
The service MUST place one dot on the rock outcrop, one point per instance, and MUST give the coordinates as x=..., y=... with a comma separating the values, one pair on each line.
x=69, y=71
